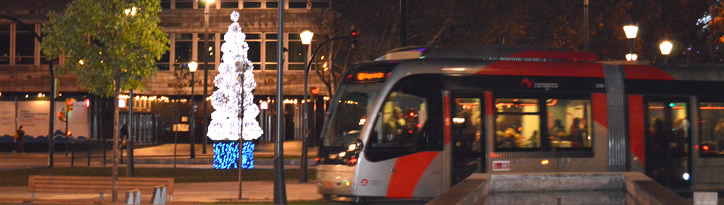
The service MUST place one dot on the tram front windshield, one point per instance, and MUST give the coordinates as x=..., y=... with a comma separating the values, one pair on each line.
x=348, y=115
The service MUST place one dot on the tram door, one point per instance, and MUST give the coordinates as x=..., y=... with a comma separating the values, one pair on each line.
x=668, y=142
x=466, y=136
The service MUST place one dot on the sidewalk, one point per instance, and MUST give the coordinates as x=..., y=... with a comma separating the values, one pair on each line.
x=161, y=156
x=193, y=193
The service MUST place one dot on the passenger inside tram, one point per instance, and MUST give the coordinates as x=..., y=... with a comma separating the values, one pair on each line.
x=576, y=133
x=508, y=139
x=557, y=131
x=719, y=135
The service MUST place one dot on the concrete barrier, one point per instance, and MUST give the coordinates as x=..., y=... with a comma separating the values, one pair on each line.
x=559, y=188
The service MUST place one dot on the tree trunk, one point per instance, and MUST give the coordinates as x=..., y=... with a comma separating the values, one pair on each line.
x=116, y=151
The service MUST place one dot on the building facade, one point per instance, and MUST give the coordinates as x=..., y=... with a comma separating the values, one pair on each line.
x=163, y=107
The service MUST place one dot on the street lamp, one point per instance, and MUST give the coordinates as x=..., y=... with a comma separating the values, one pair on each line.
x=631, y=30
x=129, y=142
x=666, y=50
x=206, y=72
x=306, y=36
x=192, y=68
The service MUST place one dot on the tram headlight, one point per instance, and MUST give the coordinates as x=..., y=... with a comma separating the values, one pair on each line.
x=544, y=162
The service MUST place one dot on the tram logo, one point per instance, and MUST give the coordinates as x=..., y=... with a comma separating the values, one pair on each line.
x=364, y=182
x=528, y=83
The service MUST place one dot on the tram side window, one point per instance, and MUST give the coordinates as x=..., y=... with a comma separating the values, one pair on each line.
x=517, y=123
x=569, y=123
x=546, y=124
x=712, y=128
x=404, y=124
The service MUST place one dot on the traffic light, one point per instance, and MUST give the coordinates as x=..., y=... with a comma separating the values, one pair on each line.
x=313, y=92
x=353, y=37
x=61, y=116
x=69, y=104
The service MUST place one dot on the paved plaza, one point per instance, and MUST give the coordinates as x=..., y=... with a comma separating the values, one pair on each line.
x=162, y=157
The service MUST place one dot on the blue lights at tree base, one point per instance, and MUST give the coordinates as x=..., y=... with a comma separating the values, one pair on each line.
x=226, y=155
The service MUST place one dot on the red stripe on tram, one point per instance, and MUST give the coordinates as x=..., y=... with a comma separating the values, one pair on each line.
x=555, y=69
x=407, y=174
x=644, y=72
x=636, y=127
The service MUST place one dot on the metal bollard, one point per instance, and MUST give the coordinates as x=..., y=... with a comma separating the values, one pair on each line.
x=137, y=198
x=131, y=196
x=159, y=195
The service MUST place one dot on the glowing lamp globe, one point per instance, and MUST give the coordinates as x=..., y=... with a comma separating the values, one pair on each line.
x=631, y=30
x=665, y=47
x=306, y=36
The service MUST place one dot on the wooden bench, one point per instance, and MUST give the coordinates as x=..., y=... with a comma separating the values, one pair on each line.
x=95, y=184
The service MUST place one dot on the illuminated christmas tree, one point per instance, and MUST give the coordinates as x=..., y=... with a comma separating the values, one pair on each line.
x=226, y=125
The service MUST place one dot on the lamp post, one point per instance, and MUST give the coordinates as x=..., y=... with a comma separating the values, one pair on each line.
x=129, y=142
x=306, y=36
x=665, y=48
x=192, y=68
x=206, y=72
x=631, y=30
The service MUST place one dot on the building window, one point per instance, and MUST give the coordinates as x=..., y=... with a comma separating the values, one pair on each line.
x=271, y=52
x=711, y=113
x=24, y=44
x=43, y=59
x=184, y=4
x=272, y=4
x=296, y=4
x=166, y=4
x=184, y=48
x=208, y=51
x=297, y=52
x=252, y=4
x=4, y=44
x=320, y=4
x=254, y=54
x=163, y=63
x=539, y=123
x=230, y=4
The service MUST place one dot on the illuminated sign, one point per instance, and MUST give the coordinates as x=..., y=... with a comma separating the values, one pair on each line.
x=121, y=103
x=501, y=165
x=370, y=76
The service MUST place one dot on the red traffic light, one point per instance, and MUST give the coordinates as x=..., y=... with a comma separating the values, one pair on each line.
x=355, y=33
x=61, y=116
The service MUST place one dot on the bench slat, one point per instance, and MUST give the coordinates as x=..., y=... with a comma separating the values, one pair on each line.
x=96, y=184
